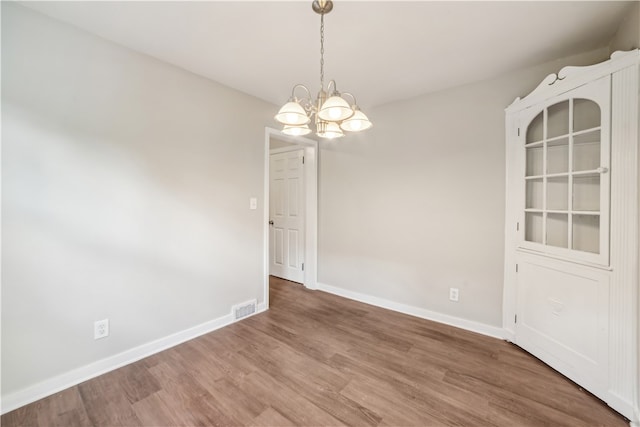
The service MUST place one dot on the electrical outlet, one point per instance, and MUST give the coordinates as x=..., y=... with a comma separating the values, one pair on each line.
x=100, y=329
x=454, y=294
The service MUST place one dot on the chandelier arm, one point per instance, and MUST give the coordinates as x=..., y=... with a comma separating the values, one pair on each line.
x=293, y=91
x=335, y=88
x=352, y=96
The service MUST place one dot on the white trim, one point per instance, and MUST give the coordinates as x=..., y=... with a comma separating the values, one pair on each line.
x=570, y=77
x=423, y=313
x=76, y=376
x=509, y=336
x=618, y=403
x=265, y=220
x=311, y=216
x=284, y=149
x=310, y=147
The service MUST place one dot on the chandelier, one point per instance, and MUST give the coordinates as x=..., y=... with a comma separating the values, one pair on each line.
x=333, y=114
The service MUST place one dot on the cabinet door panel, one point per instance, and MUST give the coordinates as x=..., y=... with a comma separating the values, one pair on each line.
x=563, y=316
x=566, y=174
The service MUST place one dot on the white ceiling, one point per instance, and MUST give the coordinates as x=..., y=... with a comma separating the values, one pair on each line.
x=380, y=51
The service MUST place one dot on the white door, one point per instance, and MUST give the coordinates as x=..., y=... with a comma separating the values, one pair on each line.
x=286, y=216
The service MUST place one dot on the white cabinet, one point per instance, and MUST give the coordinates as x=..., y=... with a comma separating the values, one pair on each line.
x=571, y=249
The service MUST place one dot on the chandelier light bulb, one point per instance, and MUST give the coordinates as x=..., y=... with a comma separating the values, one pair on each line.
x=296, y=130
x=334, y=113
x=330, y=130
x=359, y=121
x=292, y=114
x=356, y=126
x=335, y=109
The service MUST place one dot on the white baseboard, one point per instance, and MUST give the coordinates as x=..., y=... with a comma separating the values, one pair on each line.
x=619, y=404
x=509, y=335
x=53, y=385
x=423, y=313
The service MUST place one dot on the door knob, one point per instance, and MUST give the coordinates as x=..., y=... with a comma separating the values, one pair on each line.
x=270, y=222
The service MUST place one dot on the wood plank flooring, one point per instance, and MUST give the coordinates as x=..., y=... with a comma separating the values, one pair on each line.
x=318, y=359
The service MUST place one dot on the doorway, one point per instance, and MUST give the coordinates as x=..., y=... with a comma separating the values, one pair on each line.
x=290, y=235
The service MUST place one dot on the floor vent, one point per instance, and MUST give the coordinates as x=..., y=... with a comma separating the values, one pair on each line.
x=244, y=309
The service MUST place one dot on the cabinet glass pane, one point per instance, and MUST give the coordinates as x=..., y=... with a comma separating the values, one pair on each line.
x=558, y=119
x=586, y=233
x=558, y=193
x=586, y=151
x=586, y=193
x=558, y=230
x=566, y=149
x=533, y=227
x=586, y=114
x=534, y=130
x=534, y=194
x=558, y=156
x=534, y=160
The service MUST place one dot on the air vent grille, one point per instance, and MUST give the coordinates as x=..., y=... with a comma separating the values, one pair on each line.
x=244, y=309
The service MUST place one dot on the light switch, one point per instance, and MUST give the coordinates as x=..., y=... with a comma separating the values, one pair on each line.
x=253, y=203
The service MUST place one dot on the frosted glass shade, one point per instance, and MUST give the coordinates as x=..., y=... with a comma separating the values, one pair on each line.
x=292, y=114
x=335, y=109
x=359, y=121
x=329, y=130
x=296, y=130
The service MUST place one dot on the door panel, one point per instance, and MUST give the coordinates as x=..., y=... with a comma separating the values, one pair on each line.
x=277, y=197
x=278, y=247
x=562, y=318
x=294, y=237
x=294, y=197
x=287, y=214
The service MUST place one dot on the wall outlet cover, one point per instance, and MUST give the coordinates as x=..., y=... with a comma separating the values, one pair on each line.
x=100, y=329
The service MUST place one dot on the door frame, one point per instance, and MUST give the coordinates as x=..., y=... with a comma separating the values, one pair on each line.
x=310, y=147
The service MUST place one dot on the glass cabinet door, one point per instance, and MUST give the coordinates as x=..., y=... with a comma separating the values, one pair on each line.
x=566, y=181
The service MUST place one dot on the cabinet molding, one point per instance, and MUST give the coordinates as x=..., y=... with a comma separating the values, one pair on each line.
x=624, y=235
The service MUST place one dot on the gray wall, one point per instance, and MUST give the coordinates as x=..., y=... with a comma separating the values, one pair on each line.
x=125, y=192
x=278, y=143
x=416, y=205
x=628, y=35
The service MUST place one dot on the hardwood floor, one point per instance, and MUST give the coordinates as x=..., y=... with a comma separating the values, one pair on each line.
x=318, y=359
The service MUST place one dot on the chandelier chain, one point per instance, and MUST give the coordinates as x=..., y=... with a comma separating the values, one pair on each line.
x=322, y=51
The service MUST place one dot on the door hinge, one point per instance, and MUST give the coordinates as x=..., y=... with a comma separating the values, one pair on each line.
x=303, y=160
x=303, y=266
x=518, y=131
x=515, y=320
x=517, y=226
x=516, y=268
